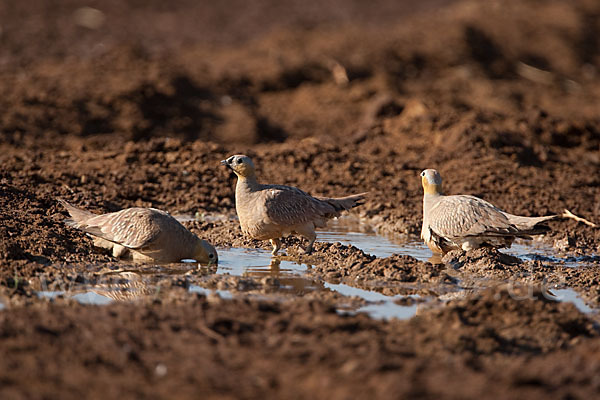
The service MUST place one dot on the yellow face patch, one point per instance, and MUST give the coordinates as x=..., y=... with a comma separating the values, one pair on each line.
x=429, y=188
x=242, y=170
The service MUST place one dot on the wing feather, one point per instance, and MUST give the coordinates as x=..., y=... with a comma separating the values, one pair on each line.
x=286, y=205
x=460, y=216
x=133, y=227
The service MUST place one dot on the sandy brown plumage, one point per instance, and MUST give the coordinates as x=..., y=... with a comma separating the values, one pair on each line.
x=269, y=212
x=467, y=222
x=147, y=234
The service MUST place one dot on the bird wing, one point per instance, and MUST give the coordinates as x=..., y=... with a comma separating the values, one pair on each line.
x=460, y=216
x=286, y=205
x=133, y=227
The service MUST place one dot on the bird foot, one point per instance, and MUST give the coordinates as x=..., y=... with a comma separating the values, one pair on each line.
x=276, y=243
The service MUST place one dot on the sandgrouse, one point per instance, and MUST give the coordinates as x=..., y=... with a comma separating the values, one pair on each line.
x=273, y=211
x=467, y=222
x=145, y=234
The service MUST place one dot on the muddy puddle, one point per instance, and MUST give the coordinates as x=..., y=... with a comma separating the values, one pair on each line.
x=285, y=279
x=88, y=297
x=571, y=296
x=350, y=231
x=536, y=251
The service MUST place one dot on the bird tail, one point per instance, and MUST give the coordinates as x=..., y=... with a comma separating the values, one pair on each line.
x=531, y=225
x=345, y=203
x=77, y=214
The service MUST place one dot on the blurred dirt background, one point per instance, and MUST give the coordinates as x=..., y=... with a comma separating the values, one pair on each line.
x=112, y=104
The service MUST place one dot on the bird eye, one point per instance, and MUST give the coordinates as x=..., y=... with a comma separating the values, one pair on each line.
x=240, y=161
x=423, y=173
x=211, y=256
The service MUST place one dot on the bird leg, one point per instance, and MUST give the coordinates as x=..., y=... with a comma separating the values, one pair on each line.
x=276, y=243
x=308, y=231
x=311, y=241
x=119, y=251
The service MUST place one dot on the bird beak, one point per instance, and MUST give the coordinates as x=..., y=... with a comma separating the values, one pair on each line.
x=225, y=163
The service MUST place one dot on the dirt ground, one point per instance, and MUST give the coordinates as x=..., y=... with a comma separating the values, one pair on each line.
x=112, y=104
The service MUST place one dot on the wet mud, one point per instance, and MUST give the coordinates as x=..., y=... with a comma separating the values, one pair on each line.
x=117, y=104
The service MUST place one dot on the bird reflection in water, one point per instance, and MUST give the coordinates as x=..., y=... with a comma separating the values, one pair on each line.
x=283, y=279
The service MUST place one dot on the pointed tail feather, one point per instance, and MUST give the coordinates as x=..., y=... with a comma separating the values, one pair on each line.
x=78, y=216
x=531, y=225
x=345, y=203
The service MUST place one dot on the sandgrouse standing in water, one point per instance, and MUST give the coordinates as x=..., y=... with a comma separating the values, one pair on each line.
x=146, y=234
x=467, y=222
x=273, y=211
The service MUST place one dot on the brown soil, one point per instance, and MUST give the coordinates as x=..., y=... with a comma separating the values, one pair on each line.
x=302, y=349
x=136, y=106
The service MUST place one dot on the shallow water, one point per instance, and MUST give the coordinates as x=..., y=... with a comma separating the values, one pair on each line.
x=92, y=298
x=292, y=277
x=571, y=296
x=224, y=294
x=87, y=297
x=382, y=306
x=349, y=230
x=527, y=250
x=349, y=233
x=256, y=263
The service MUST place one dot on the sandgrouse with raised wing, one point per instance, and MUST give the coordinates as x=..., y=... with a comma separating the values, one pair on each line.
x=145, y=234
x=468, y=222
x=269, y=212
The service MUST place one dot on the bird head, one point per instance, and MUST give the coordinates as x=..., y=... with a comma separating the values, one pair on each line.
x=431, y=181
x=205, y=253
x=240, y=164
